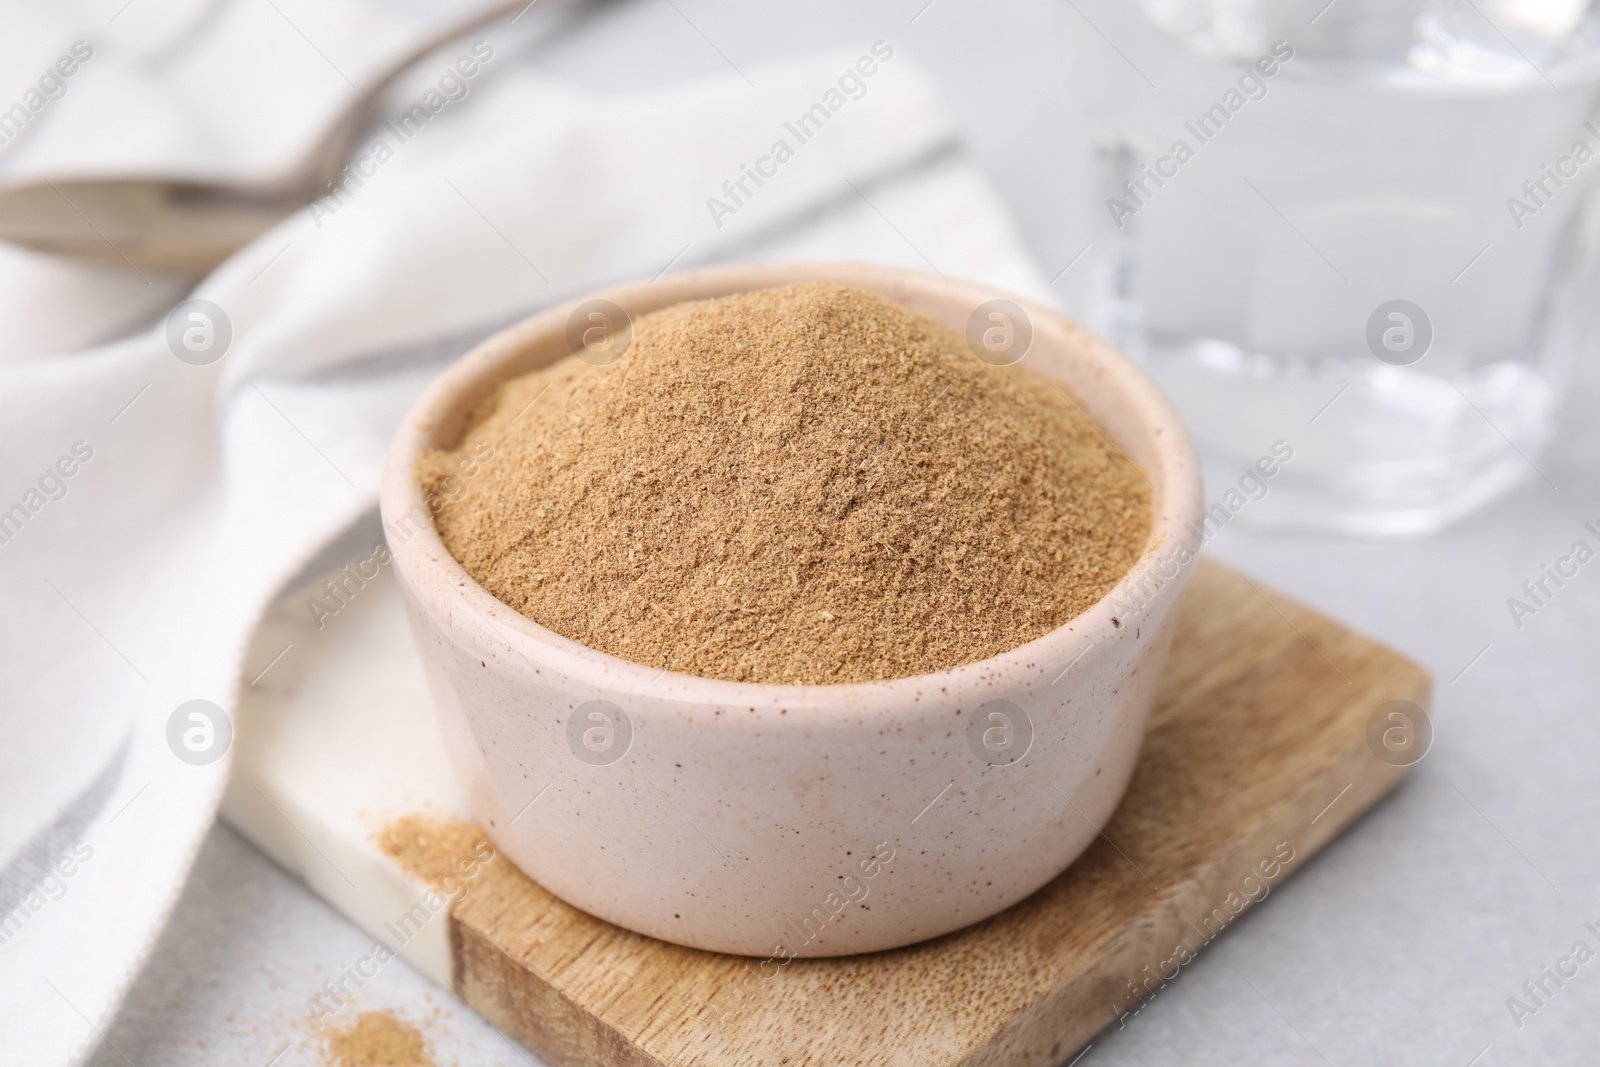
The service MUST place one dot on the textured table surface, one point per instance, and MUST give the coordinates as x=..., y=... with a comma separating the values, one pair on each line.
x=1400, y=944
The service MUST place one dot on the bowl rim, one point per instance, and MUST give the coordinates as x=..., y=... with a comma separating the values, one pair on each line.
x=1176, y=505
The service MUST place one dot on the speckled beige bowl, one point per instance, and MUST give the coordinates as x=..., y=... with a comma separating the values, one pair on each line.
x=795, y=820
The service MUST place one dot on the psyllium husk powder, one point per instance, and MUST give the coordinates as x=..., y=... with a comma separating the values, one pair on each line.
x=376, y=1039
x=806, y=485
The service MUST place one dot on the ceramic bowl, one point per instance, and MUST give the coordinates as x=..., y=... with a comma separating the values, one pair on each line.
x=782, y=821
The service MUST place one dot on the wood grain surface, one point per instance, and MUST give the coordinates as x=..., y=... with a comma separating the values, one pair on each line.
x=1256, y=757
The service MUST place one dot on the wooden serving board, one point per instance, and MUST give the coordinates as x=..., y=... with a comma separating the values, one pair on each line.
x=1257, y=755
x=1257, y=752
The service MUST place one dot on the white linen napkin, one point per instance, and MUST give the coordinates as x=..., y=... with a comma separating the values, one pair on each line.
x=151, y=502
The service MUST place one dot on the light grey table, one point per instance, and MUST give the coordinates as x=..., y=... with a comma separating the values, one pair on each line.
x=1399, y=945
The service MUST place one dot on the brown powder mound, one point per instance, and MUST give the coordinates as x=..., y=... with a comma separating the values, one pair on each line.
x=431, y=848
x=377, y=1039
x=805, y=485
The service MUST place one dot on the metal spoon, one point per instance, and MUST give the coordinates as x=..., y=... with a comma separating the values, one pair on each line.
x=176, y=224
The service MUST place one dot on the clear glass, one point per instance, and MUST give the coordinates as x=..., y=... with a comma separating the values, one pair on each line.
x=1359, y=232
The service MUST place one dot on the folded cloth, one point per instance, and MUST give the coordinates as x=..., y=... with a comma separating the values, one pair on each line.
x=157, y=491
x=219, y=90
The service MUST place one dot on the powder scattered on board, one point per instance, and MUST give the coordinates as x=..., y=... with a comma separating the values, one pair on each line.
x=433, y=849
x=377, y=1039
x=806, y=485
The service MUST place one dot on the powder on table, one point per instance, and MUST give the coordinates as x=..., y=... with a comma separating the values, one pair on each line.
x=806, y=485
x=377, y=1039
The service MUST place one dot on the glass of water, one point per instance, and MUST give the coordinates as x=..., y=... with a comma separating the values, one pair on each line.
x=1359, y=233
